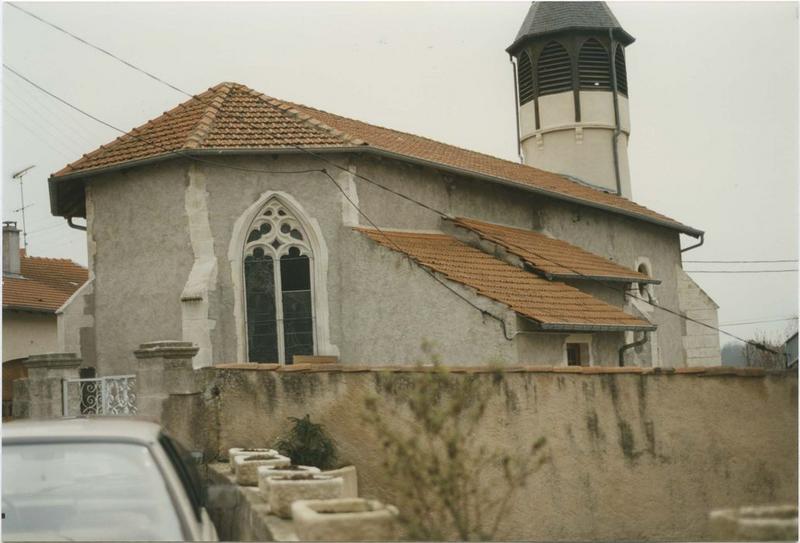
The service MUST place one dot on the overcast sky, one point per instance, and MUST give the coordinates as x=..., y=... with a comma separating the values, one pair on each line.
x=713, y=100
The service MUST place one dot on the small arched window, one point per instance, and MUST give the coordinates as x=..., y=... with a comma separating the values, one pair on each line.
x=554, y=70
x=278, y=295
x=594, y=67
x=622, y=75
x=525, y=78
x=644, y=288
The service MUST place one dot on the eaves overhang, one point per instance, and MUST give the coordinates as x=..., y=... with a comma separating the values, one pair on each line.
x=619, y=34
x=573, y=327
x=56, y=210
x=28, y=309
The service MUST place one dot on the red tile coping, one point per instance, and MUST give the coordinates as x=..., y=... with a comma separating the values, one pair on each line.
x=714, y=371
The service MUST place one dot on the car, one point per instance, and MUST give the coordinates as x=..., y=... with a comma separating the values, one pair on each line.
x=90, y=479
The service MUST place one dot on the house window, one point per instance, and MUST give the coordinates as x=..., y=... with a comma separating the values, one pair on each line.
x=577, y=354
x=278, y=288
x=577, y=350
x=644, y=288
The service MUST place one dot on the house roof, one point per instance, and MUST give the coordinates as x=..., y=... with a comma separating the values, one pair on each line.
x=545, y=18
x=234, y=118
x=551, y=304
x=554, y=258
x=43, y=285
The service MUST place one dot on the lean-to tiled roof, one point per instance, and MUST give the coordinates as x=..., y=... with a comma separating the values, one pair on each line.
x=44, y=284
x=232, y=117
x=551, y=304
x=555, y=258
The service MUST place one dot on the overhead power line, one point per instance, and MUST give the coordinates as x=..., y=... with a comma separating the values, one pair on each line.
x=741, y=271
x=785, y=261
x=758, y=322
x=442, y=214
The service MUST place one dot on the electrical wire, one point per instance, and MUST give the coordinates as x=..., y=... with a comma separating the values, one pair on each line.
x=741, y=271
x=158, y=79
x=740, y=261
x=757, y=322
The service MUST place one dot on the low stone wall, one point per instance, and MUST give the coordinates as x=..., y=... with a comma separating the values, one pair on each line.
x=635, y=453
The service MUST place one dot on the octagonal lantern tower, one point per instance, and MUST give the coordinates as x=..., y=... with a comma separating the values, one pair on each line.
x=572, y=93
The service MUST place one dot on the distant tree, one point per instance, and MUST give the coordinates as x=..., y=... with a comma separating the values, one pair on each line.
x=733, y=355
x=764, y=352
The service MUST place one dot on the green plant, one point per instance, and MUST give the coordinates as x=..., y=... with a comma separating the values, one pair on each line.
x=308, y=444
x=446, y=484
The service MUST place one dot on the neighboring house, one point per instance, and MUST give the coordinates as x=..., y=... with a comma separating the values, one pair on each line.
x=230, y=221
x=790, y=350
x=34, y=289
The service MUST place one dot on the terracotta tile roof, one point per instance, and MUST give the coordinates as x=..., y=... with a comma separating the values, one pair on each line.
x=232, y=116
x=555, y=258
x=45, y=283
x=554, y=305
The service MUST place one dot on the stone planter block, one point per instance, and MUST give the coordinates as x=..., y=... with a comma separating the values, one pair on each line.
x=347, y=519
x=283, y=490
x=264, y=472
x=238, y=451
x=350, y=476
x=766, y=523
x=245, y=466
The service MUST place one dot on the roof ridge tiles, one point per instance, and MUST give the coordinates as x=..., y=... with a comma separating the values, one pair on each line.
x=198, y=135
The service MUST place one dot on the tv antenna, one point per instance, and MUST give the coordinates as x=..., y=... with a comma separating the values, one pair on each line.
x=18, y=176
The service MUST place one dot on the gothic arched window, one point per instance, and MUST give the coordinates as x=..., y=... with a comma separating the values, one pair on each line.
x=278, y=292
x=619, y=66
x=594, y=67
x=554, y=70
x=525, y=78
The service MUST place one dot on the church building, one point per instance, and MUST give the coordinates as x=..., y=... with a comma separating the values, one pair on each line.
x=268, y=231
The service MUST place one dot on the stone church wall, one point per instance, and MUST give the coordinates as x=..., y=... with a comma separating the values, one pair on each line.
x=155, y=231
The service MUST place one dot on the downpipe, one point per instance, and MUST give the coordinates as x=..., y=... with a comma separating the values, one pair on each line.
x=632, y=345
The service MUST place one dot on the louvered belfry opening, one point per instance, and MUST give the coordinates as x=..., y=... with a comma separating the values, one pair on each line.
x=622, y=75
x=525, y=78
x=553, y=70
x=594, y=67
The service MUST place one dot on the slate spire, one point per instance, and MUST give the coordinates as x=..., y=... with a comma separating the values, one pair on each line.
x=547, y=18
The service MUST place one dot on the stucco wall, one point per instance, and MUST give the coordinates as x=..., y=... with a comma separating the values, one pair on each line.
x=140, y=258
x=701, y=343
x=150, y=225
x=26, y=333
x=633, y=456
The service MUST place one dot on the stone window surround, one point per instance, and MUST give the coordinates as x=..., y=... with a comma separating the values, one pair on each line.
x=319, y=271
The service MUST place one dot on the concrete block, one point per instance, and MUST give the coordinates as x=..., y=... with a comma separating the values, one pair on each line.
x=285, y=490
x=265, y=472
x=767, y=523
x=245, y=466
x=350, y=477
x=349, y=519
x=237, y=451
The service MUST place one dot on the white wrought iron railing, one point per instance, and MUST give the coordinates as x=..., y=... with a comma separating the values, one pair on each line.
x=112, y=395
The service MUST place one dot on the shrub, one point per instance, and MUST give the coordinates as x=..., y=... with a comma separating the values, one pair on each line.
x=308, y=444
x=445, y=484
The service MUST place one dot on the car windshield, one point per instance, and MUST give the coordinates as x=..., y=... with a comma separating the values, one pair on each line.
x=85, y=491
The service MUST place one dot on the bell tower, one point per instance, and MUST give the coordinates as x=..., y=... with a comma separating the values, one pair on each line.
x=572, y=93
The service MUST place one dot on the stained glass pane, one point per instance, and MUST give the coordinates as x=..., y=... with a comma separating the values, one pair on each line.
x=262, y=331
x=296, y=297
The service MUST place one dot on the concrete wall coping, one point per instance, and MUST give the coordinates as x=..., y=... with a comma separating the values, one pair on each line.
x=166, y=349
x=590, y=370
x=53, y=360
